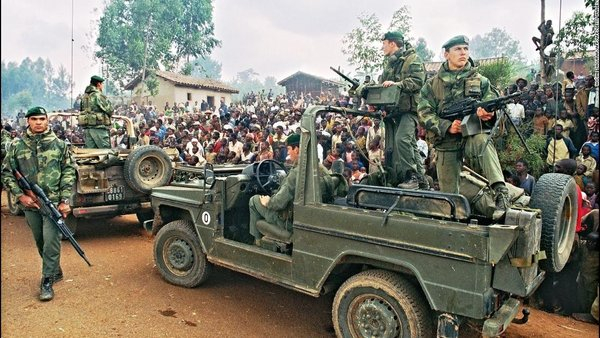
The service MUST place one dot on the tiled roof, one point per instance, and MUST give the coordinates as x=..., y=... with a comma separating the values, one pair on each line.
x=187, y=81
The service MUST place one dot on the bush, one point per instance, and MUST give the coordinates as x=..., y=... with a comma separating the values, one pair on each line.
x=510, y=149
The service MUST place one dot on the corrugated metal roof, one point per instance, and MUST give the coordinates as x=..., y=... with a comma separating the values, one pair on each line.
x=299, y=73
x=187, y=81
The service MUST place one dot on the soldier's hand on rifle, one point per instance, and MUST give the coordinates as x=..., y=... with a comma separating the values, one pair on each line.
x=388, y=83
x=455, y=127
x=484, y=115
x=64, y=209
x=28, y=202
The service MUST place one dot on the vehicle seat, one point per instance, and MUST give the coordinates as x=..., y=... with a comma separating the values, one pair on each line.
x=273, y=232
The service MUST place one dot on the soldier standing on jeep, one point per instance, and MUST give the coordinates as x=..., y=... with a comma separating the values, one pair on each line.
x=403, y=68
x=95, y=113
x=457, y=79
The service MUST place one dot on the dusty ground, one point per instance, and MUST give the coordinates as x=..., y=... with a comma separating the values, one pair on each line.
x=122, y=294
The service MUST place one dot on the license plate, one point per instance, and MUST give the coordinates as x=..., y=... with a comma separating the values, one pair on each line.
x=116, y=193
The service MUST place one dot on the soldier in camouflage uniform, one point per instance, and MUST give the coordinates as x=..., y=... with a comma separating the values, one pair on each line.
x=403, y=68
x=278, y=209
x=44, y=159
x=457, y=79
x=96, y=111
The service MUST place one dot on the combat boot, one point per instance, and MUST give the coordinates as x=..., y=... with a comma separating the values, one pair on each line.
x=46, y=291
x=411, y=183
x=58, y=276
x=502, y=197
x=423, y=182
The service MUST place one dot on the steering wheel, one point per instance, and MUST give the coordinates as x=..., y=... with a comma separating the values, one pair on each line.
x=268, y=175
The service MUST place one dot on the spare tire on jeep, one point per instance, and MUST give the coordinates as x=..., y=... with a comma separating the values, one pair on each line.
x=147, y=167
x=556, y=196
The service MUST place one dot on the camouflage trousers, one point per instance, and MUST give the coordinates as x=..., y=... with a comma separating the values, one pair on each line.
x=47, y=240
x=258, y=212
x=96, y=138
x=588, y=278
x=401, y=142
x=449, y=163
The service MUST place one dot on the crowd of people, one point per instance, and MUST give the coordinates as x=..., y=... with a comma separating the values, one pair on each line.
x=256, y=128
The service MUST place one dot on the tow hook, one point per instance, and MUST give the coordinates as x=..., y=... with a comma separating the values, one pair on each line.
x=523, y=319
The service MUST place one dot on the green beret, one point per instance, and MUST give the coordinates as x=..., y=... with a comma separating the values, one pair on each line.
x=457, y=40
x=292, y=140
x=395, y=35
x=96, y=79
x=36, y=111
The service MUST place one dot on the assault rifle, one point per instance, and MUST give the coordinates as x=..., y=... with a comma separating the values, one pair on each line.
x=48, y=209
x=354, y=82
x=468, y=106
x=466, y=110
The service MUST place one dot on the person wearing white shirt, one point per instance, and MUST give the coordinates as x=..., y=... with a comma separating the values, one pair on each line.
x=516, y=112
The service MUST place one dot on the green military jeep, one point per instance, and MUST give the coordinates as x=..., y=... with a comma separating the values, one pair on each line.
x=112, y=182
x=403, y=263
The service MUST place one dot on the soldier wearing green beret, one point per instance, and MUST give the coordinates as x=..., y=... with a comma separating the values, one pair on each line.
x=278, y=209
x=95, y=113
x=42, y=158
x=403, y=68
x=457, y=79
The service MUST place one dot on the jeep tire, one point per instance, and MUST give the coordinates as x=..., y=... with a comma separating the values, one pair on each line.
x=13, y=207
x=178, y=255
x=147, y=167
x=556, y=196
x=379, y=303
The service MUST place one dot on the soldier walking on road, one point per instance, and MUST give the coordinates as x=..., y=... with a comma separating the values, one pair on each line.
x=96, y=111
x=458, y=79
x=403, y=68
x=42, y=158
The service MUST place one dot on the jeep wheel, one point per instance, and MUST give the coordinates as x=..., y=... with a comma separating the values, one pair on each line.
x=378, y=303
x=556, y=196
x=13, y=207
x=178, y=255
x=147, y=167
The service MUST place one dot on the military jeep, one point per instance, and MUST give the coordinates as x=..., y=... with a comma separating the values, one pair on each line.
x=112, y=182
x=402, y=263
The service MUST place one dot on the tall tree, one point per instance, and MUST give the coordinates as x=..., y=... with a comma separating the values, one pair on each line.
x=496, y=43
x=577, y=36
x=362, y=45
x=144, y=34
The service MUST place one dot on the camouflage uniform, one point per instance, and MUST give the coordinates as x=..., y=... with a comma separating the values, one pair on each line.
x=446, y=88
x=96, y=111
x=43, y=159
x=406, y=69
x=279, y=210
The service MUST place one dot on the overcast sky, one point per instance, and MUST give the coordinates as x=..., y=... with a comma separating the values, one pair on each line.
x=273, y=37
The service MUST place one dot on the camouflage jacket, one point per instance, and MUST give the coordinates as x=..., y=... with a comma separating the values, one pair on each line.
x=43, y=159
x=444, y=88
x=6, y=139
x=98, y=102
x=406, y=69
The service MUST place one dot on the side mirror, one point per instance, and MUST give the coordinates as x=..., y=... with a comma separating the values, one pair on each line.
x=209, y=176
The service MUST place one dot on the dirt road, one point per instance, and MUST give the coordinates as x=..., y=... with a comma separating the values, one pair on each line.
x=123, y=295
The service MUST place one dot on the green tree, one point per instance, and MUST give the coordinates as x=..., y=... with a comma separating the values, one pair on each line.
x=362, y=45
x=499, y=72
x=424, y=53
x=146, y=34
x=496, y=43
x=577, y=36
